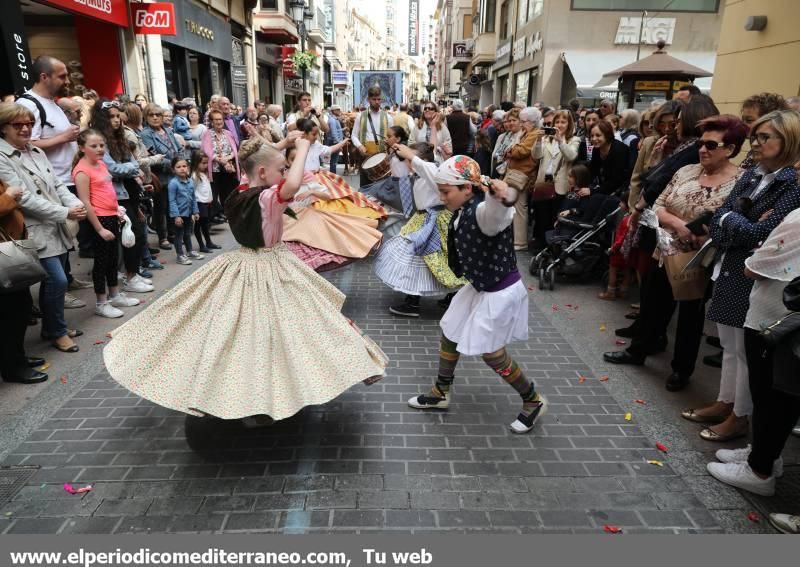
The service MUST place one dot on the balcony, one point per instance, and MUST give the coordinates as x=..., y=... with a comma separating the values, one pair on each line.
x=319, y=30
x=275, y=27
x=484, y=51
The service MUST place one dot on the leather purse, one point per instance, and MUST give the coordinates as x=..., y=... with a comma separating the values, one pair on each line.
x=778, y=331
x=19, y=264
x=546, y=190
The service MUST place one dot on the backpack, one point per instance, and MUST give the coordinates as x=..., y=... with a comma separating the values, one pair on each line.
x=39, y=107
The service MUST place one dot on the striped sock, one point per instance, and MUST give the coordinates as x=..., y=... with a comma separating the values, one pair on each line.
x=507, y=368
x=448, y=359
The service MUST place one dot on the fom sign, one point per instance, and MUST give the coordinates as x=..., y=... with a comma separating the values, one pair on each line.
x=157, y=18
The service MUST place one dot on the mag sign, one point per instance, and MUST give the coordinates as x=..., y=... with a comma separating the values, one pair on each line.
x=390, y=82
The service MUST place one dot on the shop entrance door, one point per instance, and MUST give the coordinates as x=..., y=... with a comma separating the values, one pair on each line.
x=200, y=78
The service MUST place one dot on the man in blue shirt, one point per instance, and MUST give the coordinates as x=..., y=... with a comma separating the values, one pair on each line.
x=335, y=134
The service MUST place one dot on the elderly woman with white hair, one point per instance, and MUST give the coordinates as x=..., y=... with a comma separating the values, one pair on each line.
x=519, y=157
x=274, y=111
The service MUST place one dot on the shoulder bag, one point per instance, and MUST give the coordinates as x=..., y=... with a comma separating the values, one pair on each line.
x=19, y=264
x=687, y=285
x=546, y=190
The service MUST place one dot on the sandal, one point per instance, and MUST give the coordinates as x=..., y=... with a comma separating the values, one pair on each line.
x=68, y=349
x=692, y=415
x=711, y=435
x=609, y=295
x=71, y=333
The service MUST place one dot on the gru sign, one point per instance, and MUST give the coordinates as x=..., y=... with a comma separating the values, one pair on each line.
x=154, y=19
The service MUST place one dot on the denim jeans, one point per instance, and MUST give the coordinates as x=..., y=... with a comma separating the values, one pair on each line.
x=334, y=161
x=51, y=296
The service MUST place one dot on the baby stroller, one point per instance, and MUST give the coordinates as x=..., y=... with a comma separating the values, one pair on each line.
x=576, y=248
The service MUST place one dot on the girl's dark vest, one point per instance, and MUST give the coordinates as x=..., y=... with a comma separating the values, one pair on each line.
x=483, y=260
x=244, y=217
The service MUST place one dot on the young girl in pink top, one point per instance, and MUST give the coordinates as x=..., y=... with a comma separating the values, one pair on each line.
x=93, y=182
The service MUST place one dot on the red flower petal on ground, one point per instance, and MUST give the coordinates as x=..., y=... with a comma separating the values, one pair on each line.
x=609, y=529
x=754, y=517
x=99, y=342
x=661, y=447
x=640, y=402
x=604, y=378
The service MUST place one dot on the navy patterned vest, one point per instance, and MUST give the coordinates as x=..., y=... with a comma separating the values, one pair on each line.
x=483, y=260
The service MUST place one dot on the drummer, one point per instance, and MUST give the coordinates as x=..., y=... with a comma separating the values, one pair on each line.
x=370, y=129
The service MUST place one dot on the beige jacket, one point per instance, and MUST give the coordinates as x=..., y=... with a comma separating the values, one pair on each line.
x=45, y=200
x=560, y=157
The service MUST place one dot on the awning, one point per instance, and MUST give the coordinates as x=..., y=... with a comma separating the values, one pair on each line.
x=461, y=64
x=657, y=64
x=278, y=36
x=587, y=67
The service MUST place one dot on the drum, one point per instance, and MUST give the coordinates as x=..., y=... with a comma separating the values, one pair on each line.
x=376, y=167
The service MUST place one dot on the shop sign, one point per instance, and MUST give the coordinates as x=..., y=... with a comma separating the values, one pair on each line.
x=201, y=31
x=461, y=50
x=534, y=45
x=16, y=72
x=292, y=84
x=286, y=62
x=327, y=89
x=609, y=95
x=654, y=30
x=111, y=11
x=157, y=18
x=676, y=85
x=314, y=76
x=339, y=77
x=413, y=28
x=651, y=85
x=519, y=48
x=503, y=54
x=239, y=73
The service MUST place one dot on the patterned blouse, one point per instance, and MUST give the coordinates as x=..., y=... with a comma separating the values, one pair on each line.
x=687, y=199
x=222, y=148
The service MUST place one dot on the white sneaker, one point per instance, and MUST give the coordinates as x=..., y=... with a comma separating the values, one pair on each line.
x=184, y=261
x=742, y=476
x=196, y=255
x=72, y=302
x=430, y=401
x=741, y=455
x=785, y=523
x=135, y=286
x=122, y=300
x=139, y=278
x=108, y=311
x=796, y=431
x=525, y=423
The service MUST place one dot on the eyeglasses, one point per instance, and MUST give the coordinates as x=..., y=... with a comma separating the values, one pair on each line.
x=762, y=138
x=155, y=114
x=710, y=145
x=20, y=125
x=110, y=104
x=431, y=108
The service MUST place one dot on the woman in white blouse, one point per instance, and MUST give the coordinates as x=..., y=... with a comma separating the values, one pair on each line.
x=512, y=135
x=559, y=151
x=433, y=130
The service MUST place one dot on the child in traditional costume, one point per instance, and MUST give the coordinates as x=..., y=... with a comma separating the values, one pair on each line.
x=415, y=261
x=257, y=331
x=491, y=311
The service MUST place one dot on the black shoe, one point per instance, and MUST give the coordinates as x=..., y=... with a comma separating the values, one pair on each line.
x=713, y=341
x=205, y=250
x=623, y=357
x=633, y=315
x=214, y=246
x=26, y=376
x=34, y=362
x=36, y=312
x=445, y=302
x=626, y=332
x=713, y=360
x=405, y=310
x=676, y=382
x=154, y=251
x=86, y=253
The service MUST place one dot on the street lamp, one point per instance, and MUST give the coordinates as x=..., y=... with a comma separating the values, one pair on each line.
x=302, y=16
x=430, y=88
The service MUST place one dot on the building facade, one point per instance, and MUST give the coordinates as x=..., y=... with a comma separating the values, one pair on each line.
x=556, y=50
x=761, y=48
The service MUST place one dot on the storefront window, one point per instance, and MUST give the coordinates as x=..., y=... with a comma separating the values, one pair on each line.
x=502, y=88
x=269, y=4
x=169, y=70
x=521, y=92
x=656, y=5
x=216, y=79
x=535, y=9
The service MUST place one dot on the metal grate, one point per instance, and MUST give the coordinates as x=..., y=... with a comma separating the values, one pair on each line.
x=787, y=495
x=12, y=479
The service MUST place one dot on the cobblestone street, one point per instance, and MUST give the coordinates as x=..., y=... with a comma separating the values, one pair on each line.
x=366, y=461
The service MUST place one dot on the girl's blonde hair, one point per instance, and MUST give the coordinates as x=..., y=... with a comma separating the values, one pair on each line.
x=255, y=152
x=81, y=140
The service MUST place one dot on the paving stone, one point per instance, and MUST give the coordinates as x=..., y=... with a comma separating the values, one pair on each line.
x=331, y=499
x=383, y=500
x=359, y=518
x=228, y=504
x=252, y=521
x=175, y=506
x=127, y=507
x=143, y=525
x=435, y=500
x=666, y=518
x=280, y=502
x=463, y=518
x=196, y=523
x=96, y=525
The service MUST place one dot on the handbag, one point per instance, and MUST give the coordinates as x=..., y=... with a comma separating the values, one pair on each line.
x=19, y=264
x=779, y=330
x=686, y=285
x=546, y=190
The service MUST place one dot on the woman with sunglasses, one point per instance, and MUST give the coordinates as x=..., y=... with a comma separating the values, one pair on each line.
x=432, y=129
x=46, y=204
x=761, y=199
x=160, y=139
x=694, y=189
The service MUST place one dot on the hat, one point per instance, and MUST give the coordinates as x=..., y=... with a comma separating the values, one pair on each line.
x=335, y=107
